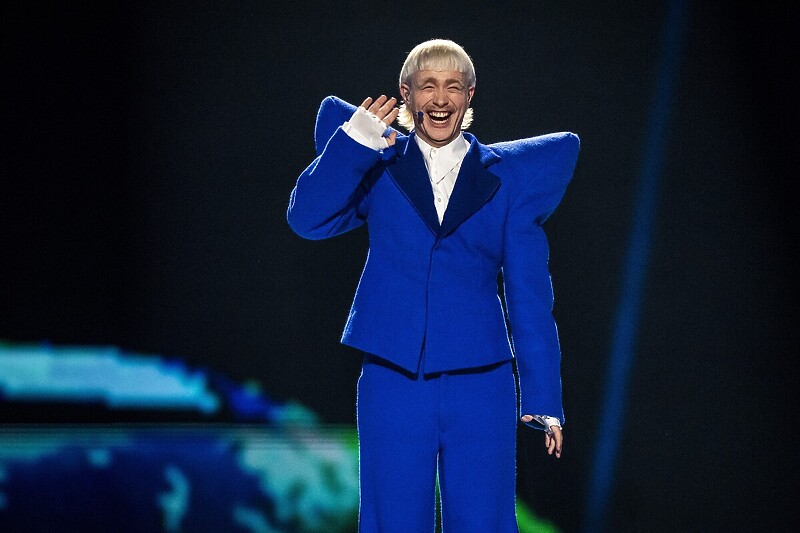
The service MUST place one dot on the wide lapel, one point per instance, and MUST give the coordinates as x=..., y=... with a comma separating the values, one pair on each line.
x=411, y=177
x=474, y=186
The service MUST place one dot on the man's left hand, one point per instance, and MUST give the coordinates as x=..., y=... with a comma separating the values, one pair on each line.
x=553, y=438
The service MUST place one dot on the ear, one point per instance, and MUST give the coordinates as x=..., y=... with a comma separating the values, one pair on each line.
x=470, y=93
x=405, y=92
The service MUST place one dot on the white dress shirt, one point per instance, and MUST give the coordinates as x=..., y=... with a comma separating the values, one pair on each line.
x=443, y=165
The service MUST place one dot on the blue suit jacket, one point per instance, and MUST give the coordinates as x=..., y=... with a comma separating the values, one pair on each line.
x=433, y=286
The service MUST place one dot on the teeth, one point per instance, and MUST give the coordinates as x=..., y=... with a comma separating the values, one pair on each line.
x=439, y=114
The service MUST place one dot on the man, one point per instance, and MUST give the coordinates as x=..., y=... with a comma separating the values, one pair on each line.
x=446, y=215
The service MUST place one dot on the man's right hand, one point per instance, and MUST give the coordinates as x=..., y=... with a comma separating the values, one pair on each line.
x=384, y=108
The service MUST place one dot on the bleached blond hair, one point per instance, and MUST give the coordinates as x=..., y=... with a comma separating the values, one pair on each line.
x=436, y=54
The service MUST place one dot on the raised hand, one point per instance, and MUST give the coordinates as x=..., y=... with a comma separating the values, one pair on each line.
x=383, y=108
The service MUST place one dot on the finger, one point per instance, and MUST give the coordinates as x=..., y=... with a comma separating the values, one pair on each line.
x=526, y=418
x=551, y=446
x=366, y=103
x=547, y=440
x=391, y=138
x=376, y=105
x=387, y=107
x=558, y=437
x=392, y=116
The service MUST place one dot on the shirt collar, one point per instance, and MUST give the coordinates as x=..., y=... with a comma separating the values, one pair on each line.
x=448, y=156
x=452, y=151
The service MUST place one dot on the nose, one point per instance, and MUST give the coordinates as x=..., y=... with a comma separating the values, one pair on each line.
x=440, y=97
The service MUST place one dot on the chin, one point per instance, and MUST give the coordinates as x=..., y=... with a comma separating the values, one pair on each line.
x=441, y=136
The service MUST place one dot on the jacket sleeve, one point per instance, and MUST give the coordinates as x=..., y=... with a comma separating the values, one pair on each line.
x=330, y=195
x=528, y=291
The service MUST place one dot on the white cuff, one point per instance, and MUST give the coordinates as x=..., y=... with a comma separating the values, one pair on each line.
x=548, y=421
x=367, y=129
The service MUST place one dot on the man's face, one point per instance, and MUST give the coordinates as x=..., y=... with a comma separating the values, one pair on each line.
x=443, y=98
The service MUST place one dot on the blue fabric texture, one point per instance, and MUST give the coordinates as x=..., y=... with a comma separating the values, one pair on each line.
x=433, y=287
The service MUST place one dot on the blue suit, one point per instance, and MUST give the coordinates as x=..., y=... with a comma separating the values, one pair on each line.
x=427, y=303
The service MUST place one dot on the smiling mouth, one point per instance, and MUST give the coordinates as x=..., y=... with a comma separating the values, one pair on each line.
x=439, y=116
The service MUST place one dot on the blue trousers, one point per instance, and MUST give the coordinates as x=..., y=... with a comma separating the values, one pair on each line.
x=461, y=424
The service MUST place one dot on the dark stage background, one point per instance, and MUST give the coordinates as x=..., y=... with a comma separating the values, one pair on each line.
x=149, y=149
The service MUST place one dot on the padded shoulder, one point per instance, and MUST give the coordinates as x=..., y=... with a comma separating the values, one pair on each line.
x=333, y=112
x=529, y=152
x=542, y=167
